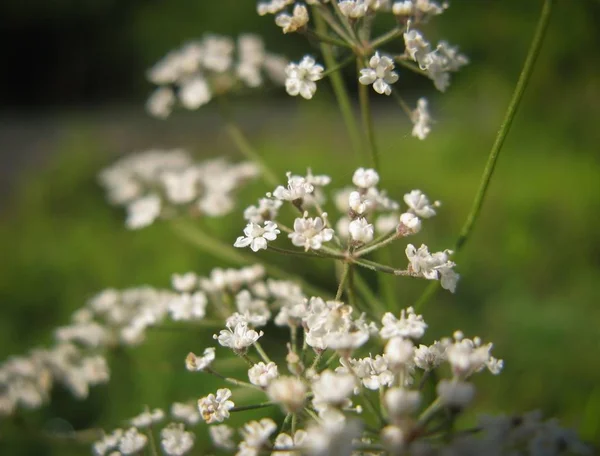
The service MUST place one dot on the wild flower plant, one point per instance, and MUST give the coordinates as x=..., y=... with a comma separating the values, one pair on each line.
x=356, y=376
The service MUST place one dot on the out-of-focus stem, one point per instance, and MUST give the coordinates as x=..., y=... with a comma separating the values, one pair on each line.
x=243, y=408
x=526, y=72
x=343, y=279
x=367, y=118
x=239, y=139
x=339, y=87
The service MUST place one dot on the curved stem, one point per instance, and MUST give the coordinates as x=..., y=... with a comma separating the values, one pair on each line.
x=526, y=72
x=243, y=145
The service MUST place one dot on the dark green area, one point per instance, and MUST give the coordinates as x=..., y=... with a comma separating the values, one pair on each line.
x=530, y=271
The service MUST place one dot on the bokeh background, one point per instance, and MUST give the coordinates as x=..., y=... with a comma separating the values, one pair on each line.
x=72, y=90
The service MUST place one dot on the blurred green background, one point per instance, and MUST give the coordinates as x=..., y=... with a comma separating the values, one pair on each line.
x=72, y=99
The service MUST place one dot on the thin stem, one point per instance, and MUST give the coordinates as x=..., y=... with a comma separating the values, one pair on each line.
x=387, y=284
x=294, y=423
x=315, y=362
x=403, y=104
x=367, y=117
x=244, y=146
x=322, y=12
x=232, y=381
x=262, y=353
x=367, y=294
x=509, y=117
x=410, y=66
x=303, y=253
x=378, y=244
x=429, y=412
x=343, y=279
x=326, y=38
x=226, y=252
x=386, y=38
x=339, y=66
x=153, y=449
x=339, y=87
x=244, y=408
x=525, y=76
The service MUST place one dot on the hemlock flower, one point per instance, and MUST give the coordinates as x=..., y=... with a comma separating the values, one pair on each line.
x=187, y=307
x=132, y=441
x=434, y=266
x=257, y=236
x=256, y=435
x=419, y=204
x=216, y=408
x=421, y=120
x=311, y=233
x=361, y=230
x=142, y=212
x=455, y=393
x=221, y=436
x=410, y=325
x=354, y=9
x=199, y=363
x=380, y=74
x=296, y=21
x=261, y=374
x=409, y=223
x=297, y=188
x=365, y=178
x=239, y=338
x=184, y=282
x=289, y=392
x=301, y=78
x=272, y=6
x=194, y=93
x=186, y=412
x=175, y=440
x=285, y=441
x=401, y=402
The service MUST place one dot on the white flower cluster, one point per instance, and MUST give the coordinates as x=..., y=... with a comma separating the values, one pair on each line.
x=163, y=183
x=438, y=62
x=209, y=67
x=175, y=440
x=26, y=381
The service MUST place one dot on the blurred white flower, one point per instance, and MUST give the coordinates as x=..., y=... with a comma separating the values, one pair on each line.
x=380, y=73
x=301, y=78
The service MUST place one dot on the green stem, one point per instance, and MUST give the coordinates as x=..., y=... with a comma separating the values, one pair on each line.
x=243, y=408
x=322, y=37
x=387, y=283
x=339, y=66
x=230, y=254
x=244, y=146
x=343, y=278
x=386, y=38
x=232, y=381
x=367, y=294
x=367, y=118
x=262, y=353
x=377, y=244
x=339, y=88
x=525, y=76
x=403, y=104
x=153, y=449
x=410, y=66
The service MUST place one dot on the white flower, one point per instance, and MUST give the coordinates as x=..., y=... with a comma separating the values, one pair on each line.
x=186, y=306
x=400, y=401
x=160, y=103
x=386, y=223
x=310, y=233
x=410, y=325
x=468, y=356
x=257, y=236
x=365, y=178
x=297, y=189
x=455, y=393
x=419, y=204
x=332, y=438
x=296, y=21
x=272, y=6
x=255, y=311
x=175, y=440
x=261, y=374
x=238, y=338
x=181, y=186
x=409, y=223
x=221, y=436
x=358, y=203
x=194, y=93
x=285, y=441
x=199, y=363
x=216, y=408
x=374, y=372
x=256, y=435
x=267, y=209
x=290, y=392
x=107, y=443
x=417, y=47
x=353, y=8
x=301, y=78
x=143, y=211
x=217, y=53
x=403, y=8
x=184, y=282
x=434, y=266
x=132, y=441
x=361, y=230
x=332, y=389
x=380, y=74
x=187, y=413
x=428, y=358
x=147, y=418
x=421, y=120
x=399, y=353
